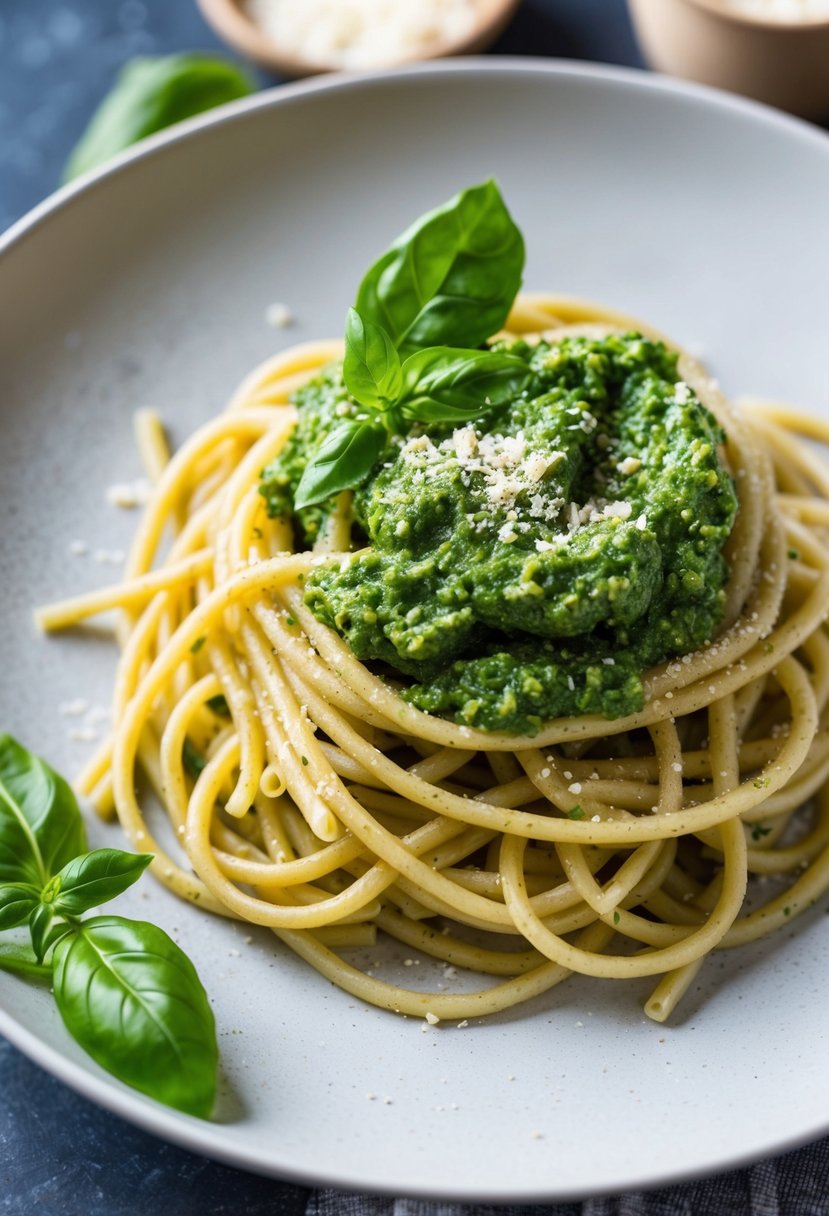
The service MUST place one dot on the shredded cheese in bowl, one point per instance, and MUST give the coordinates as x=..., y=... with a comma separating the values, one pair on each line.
x=365, y=33
x=784, y=11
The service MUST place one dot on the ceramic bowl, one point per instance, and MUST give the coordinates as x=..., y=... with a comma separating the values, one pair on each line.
x=783, y=63
x=232, y=21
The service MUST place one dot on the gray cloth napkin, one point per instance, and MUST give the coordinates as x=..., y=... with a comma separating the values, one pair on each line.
x=796, y=1184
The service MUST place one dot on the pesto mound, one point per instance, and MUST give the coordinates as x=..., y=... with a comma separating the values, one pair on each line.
x=534, y=562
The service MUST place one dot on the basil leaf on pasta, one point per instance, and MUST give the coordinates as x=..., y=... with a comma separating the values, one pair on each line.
x=450, y=279
x=371, y=367
x=446, y=385
x=344, y=459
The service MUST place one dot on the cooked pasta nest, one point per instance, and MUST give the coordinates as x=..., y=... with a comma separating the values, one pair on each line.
x=328, y=809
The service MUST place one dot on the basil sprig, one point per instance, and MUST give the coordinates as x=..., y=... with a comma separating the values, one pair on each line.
x=126, y=992
x=450, y=279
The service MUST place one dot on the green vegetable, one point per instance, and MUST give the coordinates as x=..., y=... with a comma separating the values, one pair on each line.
x=345, y=458
x=95, y=878
x=448, y=280
x=40, y=825
x=537, y=523
x=17, y=902
x=125, y=990
x=151, y=94
x=133, y=1001
x=445, y=385
x=479, y=583
x=192, y=759
x=451, y=278
x=371, y=366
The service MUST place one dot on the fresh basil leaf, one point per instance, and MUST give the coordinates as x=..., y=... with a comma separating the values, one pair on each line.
x=451, y=278
x=442, y=384
x=371, y=367
x=17, y=901
x=134, y=1002
x=151, y=94
x=94, y=878
x=40, y=825
x=344, y=459
x=45, y=928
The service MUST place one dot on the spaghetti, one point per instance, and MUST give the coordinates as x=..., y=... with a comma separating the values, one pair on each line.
x=322, y=805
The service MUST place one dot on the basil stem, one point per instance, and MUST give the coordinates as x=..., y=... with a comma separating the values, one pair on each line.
x=19, y=961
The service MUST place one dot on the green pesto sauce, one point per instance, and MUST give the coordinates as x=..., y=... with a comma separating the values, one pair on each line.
x=534, y=563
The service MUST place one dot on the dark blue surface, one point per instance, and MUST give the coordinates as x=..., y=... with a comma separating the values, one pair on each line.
x=59, y=57
x=59, y=1154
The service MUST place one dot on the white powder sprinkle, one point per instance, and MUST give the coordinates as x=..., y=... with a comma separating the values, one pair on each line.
x=129, y=494
x=279, y=315
x=109, y=557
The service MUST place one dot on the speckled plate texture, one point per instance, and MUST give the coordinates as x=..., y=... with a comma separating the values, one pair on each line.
x=149, y=284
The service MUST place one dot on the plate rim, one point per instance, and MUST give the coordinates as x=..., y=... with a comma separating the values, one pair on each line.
x=85, y=1078
x=296, y=91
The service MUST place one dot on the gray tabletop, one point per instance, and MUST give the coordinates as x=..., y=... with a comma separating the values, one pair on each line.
x=59, y=1154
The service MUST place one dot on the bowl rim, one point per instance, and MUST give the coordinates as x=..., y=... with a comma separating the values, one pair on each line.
x=232, y=22
x=735, y=16
x=295, y=91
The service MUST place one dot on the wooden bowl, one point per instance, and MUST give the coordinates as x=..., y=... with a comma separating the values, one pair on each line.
x=230, y=20
x=785, y=64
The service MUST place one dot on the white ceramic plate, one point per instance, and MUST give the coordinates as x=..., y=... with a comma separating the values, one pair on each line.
x=148, y=285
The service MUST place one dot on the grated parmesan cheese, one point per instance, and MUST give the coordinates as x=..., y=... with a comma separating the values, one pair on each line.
x=129, y=494
x=784, y=11
x=279, y=316
x=365, y=33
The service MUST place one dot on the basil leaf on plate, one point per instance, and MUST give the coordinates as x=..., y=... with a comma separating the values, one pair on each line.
x=371, y=367
x=442, y=384
x=344, y=459
x=40, y=824
x=45, y=929
x=451, y=278
x=93, y=878
x=17, y=902
x=134, y=1002
x=153, y=93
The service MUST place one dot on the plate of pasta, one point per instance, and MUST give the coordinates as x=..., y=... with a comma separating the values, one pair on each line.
x=427, y=532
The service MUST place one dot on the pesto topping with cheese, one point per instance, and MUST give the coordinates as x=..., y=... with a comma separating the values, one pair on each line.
x=534, y=561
